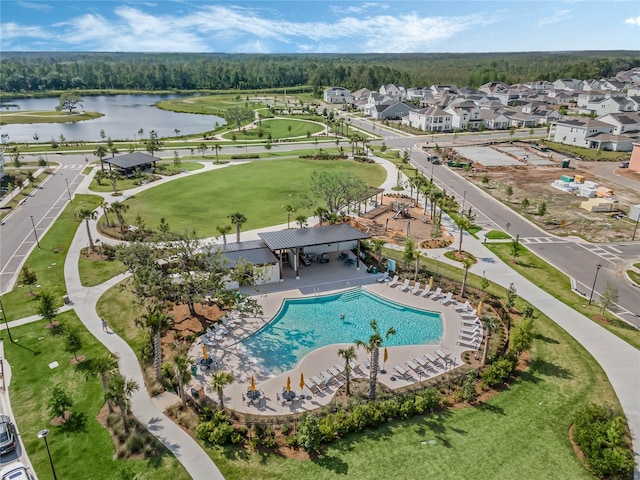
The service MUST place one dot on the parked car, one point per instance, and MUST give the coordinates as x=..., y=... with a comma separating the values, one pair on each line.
x=623, y=165
x=15, y=471
x=7, y=435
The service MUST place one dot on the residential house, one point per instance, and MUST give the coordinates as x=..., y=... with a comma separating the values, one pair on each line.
x=612, y=84
x=568, y=84
x=540, y=86
x=492, y=88
x=429, y=119
x=396, y=92
x=623, y=123
x=394, y=111
x=374, y=100
x=494, y=120
x=465, y=117
x=578, y=131
x=339, y=95
x=418, y=94
x=609, y=104
x=590, y=96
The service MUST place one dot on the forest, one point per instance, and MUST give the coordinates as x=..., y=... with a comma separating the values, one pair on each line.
x=30, y=72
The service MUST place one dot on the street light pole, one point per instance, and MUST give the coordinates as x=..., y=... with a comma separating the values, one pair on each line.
x=464, y=199
x=68, y=191
x=34, y=231
x=635, y=228
x=43, y=435
x=598, y=267
x=4, y=316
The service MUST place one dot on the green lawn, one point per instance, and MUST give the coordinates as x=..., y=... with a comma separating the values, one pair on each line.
x=35, y=116
x=278, y=128
x=48, y=261
x=558, y=285
x=521, y=433
x=95, y=272
x=165, y=167
x=85, y=449
x=497, y=235
x=257, y=189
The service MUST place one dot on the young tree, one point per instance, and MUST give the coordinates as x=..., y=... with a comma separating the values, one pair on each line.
x=522, y=336
x=372, y=347
x=237, y=219
x=511, y=297
x=485, y=180
x=28, y=277
x=378, y=243
x=516, y=246
x=223, y=230
x=59, y=401
x=176, y=159
x=608, y=298
x=119, y=392
x=113, y=177
x=508, y=191
x=47, y=306
x=525, y=204
x=347, y=354
x=72, y=341
x=409, y=253
x=203, y=148
x=86, y=214
x=464, y=224
x=466, y=263
x=542, y=209
x=153, y=144
x=219, y=380
x=491, y=325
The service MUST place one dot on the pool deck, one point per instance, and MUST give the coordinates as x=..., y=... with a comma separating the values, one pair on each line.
x=319, y=280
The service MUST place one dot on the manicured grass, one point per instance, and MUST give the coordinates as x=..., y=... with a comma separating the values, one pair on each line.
x=278, y=128
x=36, y=116
x=120, y=308
x=497, y=235
x=588, y=154
x=257, y=189
x=48, y=261
x=84, y=450
x=17, y=195
x=557, y=284
x=95, y=272
x=634, y=276
x=520, y=433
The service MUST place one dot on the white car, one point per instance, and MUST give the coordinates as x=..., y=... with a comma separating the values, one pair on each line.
x=15, y=471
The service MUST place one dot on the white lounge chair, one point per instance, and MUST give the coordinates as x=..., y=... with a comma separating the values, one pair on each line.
x=471, y=345
x=442, y=355
x=465, y=307
x=435, y=361
x=437, y=294
x=426, y=292
x=405, y=285
x=402, y=372
x=337, y=373
x=471, y=314
x=312, y=386
x=393, y=281
x=447, y=299
x=471, y=331
x=319, y=382
x=416, y=288
x=423, y=363
x=384, y=277
x=469, y=323
x=414, y=367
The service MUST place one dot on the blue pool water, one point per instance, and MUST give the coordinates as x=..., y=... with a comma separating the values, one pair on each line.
x=305, y=324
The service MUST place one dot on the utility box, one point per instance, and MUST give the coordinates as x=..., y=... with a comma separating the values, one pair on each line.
x=566, y=162
x=579, y=179
x=566, y=178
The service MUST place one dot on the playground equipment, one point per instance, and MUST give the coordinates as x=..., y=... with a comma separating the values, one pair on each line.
x=401, y=209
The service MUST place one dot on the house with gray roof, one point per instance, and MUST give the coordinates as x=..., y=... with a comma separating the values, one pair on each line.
x=337, y=95
x=429, y=119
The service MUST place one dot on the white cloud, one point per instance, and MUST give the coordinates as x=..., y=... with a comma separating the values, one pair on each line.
x=633, y=21
x=557, y=17
x=36, y=6
x=12, y=30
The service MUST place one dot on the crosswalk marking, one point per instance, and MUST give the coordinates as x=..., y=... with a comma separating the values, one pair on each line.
x=533, y=240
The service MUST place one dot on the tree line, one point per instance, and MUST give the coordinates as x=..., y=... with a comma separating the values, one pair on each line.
x=28, y=72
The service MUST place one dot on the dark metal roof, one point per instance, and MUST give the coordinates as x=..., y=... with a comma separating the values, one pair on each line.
x=131, y=160
x=307, y=237
x=239, y=246
x=257, y=256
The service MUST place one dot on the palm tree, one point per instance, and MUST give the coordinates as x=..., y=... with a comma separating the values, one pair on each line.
x=289, y=209
x=466, y=263
x=378, y=243
x=464, y=223
x=320, y=212
x=219, y=380
x=223, y=230
x=101, y=152
x=181, y=368
x=104, y=366
x=237, y=219
x=372, y=347
x=119, y=392
x=87, y=214
x=216, y=148
x=155, y=321
x=490, y=326
x=301, y=220
x=347, y=354
x=419, y=255
x=106, y=208
x=114, y=176
x=119, y=209
x=419, y=180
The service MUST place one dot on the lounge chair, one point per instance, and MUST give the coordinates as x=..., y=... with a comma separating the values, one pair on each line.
x=447, y=299
x=384, y=277
x=471, y=345
x=468, y=323
x=393, y=281
x=471, y=314
x=414, y=367
x=416, y=288
x=337, y=373
x=355, y=367
x=366, y=364
x=319, y=382
x=426, y=292
x=471, y=331
x=220, y=329
x=327, y=377
x=436, y=294
x=405, y=285
x=442, y=355
x=465, y=307
x=312, y=386
x=423, y=363
x=402, y=372
x=433, y=360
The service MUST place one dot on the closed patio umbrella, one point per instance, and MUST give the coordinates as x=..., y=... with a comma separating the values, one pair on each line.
x=385, y=357
x=430, y=282
x=301, y=383
x=288, y=384
x=252, y=385
x=204, y=352
x=480, y=309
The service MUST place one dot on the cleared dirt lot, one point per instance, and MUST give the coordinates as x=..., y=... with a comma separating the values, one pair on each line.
x=564, y=215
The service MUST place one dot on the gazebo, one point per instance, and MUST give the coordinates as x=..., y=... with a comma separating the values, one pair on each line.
x=325, y=239
x=127, y=164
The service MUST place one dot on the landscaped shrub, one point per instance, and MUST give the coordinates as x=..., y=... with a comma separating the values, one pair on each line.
x=499, y=371
x=309, y=436
x=216, y=431
x=601, y=434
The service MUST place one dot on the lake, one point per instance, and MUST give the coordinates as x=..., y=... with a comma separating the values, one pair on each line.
x=124, y=116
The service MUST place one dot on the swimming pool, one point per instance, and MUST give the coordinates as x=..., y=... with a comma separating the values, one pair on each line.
x=305, y=324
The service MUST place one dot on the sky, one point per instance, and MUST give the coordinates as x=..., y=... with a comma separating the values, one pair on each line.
x=319, y=26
